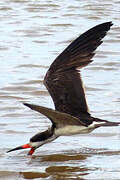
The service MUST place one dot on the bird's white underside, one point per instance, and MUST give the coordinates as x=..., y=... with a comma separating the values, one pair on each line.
x=71, y=130
x=67, y=131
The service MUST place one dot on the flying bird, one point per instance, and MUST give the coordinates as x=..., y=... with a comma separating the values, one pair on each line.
x=63, y=81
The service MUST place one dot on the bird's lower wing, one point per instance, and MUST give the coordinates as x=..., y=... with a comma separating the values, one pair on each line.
x=56, y=117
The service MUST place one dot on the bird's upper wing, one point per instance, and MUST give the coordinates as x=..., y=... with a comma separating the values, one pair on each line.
x=63, y=79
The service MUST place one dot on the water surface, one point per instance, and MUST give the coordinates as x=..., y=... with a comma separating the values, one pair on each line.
x=33, y=33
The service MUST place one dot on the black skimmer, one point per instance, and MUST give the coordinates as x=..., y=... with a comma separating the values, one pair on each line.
x=63, y=81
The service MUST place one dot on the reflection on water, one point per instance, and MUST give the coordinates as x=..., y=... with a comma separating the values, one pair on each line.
x=62, y=166
x=33, y=33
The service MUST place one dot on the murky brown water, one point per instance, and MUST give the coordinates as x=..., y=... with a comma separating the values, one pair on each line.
x=32, y=34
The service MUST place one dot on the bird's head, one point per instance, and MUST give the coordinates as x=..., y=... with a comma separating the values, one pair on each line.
x=37, y=141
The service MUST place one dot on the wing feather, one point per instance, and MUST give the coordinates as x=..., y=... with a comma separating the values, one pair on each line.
x=63, y=79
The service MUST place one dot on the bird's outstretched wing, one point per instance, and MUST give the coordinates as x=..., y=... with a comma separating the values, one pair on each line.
x=60, y=119
x=63, y=79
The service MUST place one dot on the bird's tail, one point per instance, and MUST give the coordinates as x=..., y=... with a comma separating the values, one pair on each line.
x=104, y=123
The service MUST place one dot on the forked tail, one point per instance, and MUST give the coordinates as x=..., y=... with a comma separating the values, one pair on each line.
x=104, y=123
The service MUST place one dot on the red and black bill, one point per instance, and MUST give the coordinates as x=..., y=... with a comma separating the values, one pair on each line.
x=23, y=147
